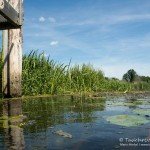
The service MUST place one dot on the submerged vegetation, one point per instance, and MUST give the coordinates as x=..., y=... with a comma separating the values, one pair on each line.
x=139, y=112
x=145, y=112
x=127, y=120
x=42, y=75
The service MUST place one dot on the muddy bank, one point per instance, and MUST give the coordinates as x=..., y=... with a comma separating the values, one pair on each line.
x=128, y=95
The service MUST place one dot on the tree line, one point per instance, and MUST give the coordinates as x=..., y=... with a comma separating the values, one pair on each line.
x=132, y=76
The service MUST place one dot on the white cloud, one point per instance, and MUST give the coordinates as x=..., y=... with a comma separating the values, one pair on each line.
x=106, y=20
x=52, y=20
x=42, y=19
x=125, y=18
x=53, y=43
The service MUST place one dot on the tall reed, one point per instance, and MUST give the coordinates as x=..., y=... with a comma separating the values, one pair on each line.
x=84, y=78
x=42, y=75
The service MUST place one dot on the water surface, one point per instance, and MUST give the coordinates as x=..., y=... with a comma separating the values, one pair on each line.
x=84, y=119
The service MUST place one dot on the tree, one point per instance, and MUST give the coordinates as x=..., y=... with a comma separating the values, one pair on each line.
x=130, y=76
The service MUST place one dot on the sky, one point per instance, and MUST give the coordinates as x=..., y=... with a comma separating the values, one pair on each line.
x=112, y=35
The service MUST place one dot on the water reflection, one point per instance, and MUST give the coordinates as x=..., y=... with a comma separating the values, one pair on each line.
x=11, y=118
x=83, y=118
x=46, y=112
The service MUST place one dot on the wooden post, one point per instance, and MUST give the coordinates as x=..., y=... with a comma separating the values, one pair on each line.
x=5, y=76
x=13, y=58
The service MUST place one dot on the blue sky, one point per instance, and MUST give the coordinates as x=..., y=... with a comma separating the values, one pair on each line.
x=113, y=35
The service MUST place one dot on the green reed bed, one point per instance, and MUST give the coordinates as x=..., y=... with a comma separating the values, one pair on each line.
x=84, y=78
x=42, y=75
x=45, y=76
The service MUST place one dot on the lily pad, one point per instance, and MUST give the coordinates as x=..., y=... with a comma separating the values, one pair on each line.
x=127, y=120
x=144, y=101
x=142, y=111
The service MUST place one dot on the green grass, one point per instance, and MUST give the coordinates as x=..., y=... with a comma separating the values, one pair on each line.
x=1, y=74
x=42, y=75
x=45, y=76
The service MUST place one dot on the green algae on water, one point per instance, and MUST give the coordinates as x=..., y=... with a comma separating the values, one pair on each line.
x=142, y=111
x=4, y=118
x=127, y=120
x=3, y=124
x=115, y=104
x=128, y=103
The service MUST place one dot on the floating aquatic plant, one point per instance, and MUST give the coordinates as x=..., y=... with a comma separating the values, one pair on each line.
x=142, y=111
x=3, y=124
x=127, y=120
x=121, y=103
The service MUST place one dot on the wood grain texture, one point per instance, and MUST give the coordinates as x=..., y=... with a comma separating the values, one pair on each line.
x=9, y=13
x=13, y=60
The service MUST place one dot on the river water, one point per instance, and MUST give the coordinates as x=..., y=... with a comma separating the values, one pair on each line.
x=34, y=124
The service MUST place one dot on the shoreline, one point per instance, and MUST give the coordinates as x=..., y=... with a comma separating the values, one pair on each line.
x=93, y=95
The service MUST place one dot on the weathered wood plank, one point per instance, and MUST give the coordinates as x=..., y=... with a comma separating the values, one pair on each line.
x=5, y=77
x=8, y=12
x=13, y=59
x=6, y=25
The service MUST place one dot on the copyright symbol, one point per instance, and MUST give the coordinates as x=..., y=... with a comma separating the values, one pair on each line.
x=121, y=139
